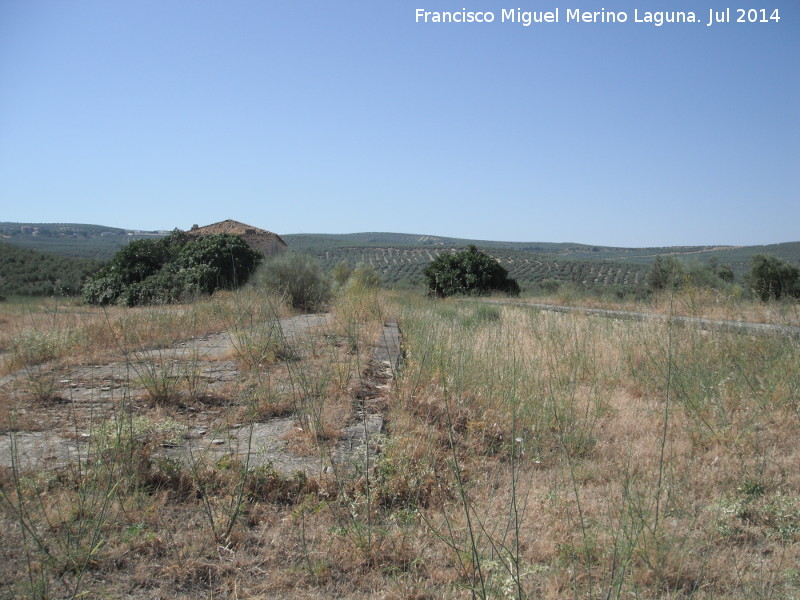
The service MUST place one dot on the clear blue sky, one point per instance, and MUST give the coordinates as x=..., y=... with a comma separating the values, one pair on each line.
x=347, y=116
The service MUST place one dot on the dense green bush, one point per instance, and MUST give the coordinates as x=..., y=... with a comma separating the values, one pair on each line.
x=171, y=269
x=469, y=272
x=772, y=278
x=298, y=278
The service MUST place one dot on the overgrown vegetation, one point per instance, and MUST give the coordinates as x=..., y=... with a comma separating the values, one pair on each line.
x=528, y=454
x=171, y=269
x=296, y=277
x=769, y=278
x=469, y=272
x=672, y=273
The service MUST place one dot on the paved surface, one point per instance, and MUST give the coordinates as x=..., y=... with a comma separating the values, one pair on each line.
x=388, y=348
x=92, y=390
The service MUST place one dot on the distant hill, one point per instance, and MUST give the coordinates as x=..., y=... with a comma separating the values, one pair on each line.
x=401, y=257
x=27, y=272
x=71, y=239
x=312, y=242
x=403, y=265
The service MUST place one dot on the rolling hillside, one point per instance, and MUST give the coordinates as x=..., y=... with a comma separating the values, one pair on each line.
x=71, y=239
x=403, y=265
x=401, y=257
x=27, y=272
x=312, y=243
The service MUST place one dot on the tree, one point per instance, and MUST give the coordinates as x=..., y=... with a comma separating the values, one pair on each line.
x=772, y=278
x=469, y=272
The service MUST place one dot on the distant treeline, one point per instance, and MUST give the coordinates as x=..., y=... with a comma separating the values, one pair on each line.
x=26, y=272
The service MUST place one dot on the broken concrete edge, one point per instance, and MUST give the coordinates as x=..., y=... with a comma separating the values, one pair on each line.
x=388, y=348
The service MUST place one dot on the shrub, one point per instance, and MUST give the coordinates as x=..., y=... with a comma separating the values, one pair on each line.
x=298, y=277
x=365, y=276
x=665, y=272
x=225, y=261
x=469, y=272
x=341, y=272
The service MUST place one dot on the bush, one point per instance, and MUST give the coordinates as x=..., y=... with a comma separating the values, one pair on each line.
x=298, y=277
x=469, y=272
x=772, y=278
x=365, y=276
x=225, y=261
x=341, y=272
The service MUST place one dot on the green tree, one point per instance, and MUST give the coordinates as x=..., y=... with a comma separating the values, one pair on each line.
x=469, y=272
x=671, y=272
x=772, y=278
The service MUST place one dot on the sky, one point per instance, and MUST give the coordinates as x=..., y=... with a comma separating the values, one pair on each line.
x=354, y=115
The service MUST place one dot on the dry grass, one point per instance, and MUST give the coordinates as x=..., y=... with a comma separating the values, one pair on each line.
x=527, y=454
x=45, y=330
x=645, y=454
x=689, y=302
